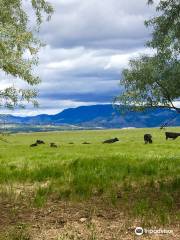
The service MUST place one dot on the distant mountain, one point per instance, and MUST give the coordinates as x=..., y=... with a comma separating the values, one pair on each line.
x=99, y=116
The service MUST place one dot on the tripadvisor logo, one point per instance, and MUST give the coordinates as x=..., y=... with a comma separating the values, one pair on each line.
x=139, y=231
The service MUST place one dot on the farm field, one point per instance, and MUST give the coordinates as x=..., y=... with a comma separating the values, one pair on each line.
x=89, y=191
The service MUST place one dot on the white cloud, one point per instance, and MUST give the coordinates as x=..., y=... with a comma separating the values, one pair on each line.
x=92, y=23
x=47, y=108
x=88, y=44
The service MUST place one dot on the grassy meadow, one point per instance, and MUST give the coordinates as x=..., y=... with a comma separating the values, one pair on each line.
x=142, y=179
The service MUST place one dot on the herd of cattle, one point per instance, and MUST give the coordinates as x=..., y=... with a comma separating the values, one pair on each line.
x=147, y=139
x=173, y=135
x=39, y=142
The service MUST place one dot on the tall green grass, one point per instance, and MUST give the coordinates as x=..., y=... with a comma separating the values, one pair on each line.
x=145, y=178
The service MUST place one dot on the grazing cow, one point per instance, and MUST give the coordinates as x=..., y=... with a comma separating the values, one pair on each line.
x=85, y=143
x=53, y=145
x=147, y=138
x=34, y=145
x=113, y=140
x=40, y=142
x=172, y=135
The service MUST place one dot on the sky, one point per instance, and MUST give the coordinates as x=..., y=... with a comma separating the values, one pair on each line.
x=88, y=43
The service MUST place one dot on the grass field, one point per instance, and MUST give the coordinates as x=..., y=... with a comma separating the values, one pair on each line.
x=141, y=180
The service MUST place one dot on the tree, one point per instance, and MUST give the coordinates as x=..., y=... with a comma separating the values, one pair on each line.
x=19, y=46
x=154, y=81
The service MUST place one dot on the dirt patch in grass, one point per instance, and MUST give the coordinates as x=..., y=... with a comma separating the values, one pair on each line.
x=65, y=220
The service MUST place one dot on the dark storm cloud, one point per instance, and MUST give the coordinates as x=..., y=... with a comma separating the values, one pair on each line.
x=98, y=24
x=86, y=97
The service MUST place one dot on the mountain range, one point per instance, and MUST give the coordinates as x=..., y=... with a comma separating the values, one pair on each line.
x=99, y=116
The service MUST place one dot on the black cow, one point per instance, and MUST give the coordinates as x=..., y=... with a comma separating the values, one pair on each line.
x=53, y=145
x=40, y=142
x=85, y=143
x=113, y=140
x=34, y=145
x=147, y=138
x=172, y=135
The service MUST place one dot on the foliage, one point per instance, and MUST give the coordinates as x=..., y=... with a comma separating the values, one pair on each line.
x=166, y=30
x=19, y=46
x=154, y=80
x=151, y=82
